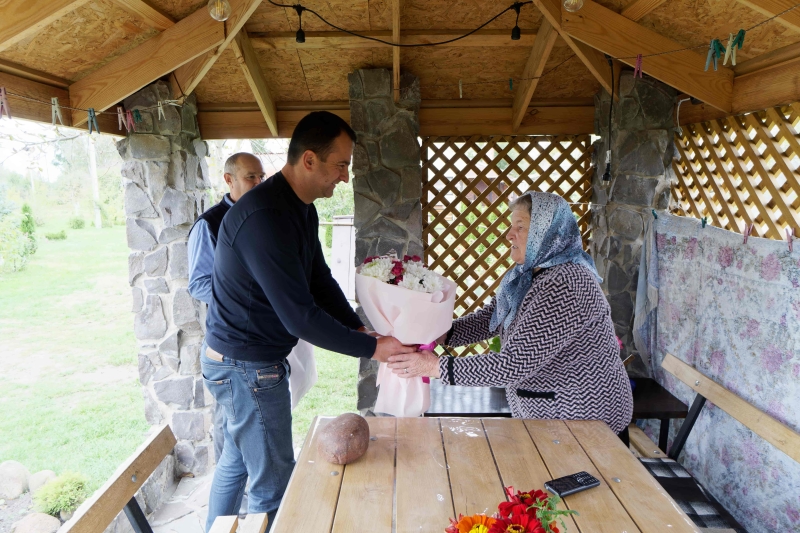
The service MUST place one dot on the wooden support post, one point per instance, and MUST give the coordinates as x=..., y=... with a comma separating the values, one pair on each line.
x=523, y=92
x=256, y=80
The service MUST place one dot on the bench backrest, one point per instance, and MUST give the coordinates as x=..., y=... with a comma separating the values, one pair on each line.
x=96, y=513
x=778, y=434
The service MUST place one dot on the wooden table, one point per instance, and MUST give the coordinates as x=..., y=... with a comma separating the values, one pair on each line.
x=650, y=401
x=418, y=472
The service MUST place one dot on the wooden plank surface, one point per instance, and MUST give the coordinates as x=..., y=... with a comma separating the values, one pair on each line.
x=774, y=432
x=149, y=61
x=424, y=502
x=537, y=59
x=475, y=485
x=770, y=8
x=637, y=9
x=642, y=444
x=623, y=38
x=254, y=523
x=21, y=19
x=600, y=510
x=365, y=500
x=646, y=501
x=518, y=459
x=311, y=476
x=149, y=14
x=95, y=514
x=225, y=524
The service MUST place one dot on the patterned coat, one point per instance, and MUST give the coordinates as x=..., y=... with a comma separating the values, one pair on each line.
x=560, y=357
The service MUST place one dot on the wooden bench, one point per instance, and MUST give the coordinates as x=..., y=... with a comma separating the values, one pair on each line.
x=118, y=494
x=684, y=488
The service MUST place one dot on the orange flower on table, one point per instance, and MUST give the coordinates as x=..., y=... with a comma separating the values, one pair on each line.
x=478, y=523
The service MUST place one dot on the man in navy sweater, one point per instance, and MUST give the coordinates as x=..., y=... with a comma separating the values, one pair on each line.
x=270, y=287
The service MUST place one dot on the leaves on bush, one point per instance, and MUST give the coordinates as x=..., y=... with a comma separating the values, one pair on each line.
x=64, y=493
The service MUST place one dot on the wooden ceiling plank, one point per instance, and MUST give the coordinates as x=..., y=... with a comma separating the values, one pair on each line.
x=147, y=13
x=770, y=8
x=255, y=79
x=637, y=9
x=24, y=18
x=523, y=92
x=620, y=37
x=775, y=85
x=781, y=56
x=156, y=57
x=396, y=50
x=188, y=76
x=33, y=75
x=592, y=59
x=285, y=40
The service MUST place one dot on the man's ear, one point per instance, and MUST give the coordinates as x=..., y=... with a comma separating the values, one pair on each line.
x=228, y=178
x=309, y=159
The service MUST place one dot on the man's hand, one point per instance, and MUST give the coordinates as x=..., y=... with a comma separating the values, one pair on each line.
x=363, y=329
x=389, y=346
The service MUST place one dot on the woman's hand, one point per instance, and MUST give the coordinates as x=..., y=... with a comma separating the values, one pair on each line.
x=410, y=365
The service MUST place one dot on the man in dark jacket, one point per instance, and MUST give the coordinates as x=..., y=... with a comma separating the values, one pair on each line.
x=270, y=287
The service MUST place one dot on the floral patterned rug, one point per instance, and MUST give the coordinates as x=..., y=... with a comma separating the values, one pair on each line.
x=732, y=310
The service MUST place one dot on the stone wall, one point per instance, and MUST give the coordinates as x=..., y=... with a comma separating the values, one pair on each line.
x=641, y=169
x=388, y=180
x=166, y=186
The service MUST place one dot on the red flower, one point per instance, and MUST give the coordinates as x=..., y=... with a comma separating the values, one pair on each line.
x=370, y=259
x=414, y=258
x=398, y=279
x=520, y=502
x=517, y=523
x=397, y=269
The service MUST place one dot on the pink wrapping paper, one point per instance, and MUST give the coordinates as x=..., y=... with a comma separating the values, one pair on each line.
x=413, y=318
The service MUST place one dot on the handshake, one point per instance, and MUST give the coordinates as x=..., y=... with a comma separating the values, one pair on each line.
x=404, y=360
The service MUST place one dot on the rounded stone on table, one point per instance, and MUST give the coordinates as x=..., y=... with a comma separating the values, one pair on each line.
x=36, y=523
x=13, y=479
x=344, y=440
x=39, y=479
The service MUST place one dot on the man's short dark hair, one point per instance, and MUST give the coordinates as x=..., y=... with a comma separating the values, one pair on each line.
x=316, y=132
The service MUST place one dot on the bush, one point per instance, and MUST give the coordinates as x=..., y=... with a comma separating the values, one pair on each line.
x=15, y=244
x=77, y=223
x=64, y=493
x=329, y=236
x=60, y=236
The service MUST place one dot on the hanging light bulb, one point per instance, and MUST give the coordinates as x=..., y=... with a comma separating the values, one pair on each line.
x=573, y=5
x=219, y=9
x=300, y=36
x=516, y=32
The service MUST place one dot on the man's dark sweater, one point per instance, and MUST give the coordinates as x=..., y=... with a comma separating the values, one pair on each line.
x=271, y=284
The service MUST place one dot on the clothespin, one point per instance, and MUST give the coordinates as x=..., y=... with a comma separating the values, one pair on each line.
x=129, y=123
x=93, y=120
x=790, y=238
x=176, y=103
x=4, y=108
x=510, y=84
x=728, y=50
x=637, y=70
x=715, y=51
x=137, y=116
x=737, y=42
x=56, y=111
x=120, y=118
x=703, y=222
x=747, y=230
x=655, y=215
x=161, y=114
x=460, y=90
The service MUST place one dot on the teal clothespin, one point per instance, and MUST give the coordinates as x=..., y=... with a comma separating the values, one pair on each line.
x=655, y=215
x=93, y=121
x=137, y=117
x=510, y=84
x=703, y=222
x=715, y=51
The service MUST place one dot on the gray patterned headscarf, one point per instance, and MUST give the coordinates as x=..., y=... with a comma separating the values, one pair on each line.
x=553, y=239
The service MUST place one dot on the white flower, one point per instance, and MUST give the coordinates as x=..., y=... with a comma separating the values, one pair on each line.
x=415, y=268
x=432, y=281
x=412, y=282
x=380, y=269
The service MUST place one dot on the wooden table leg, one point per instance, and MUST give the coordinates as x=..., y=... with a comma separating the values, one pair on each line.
x=663, y=434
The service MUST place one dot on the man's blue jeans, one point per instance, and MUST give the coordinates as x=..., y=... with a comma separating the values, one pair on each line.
x=258, y=435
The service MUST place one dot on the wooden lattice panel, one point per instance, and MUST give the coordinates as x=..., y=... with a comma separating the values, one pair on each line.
x=468, y=183
x=742, y=170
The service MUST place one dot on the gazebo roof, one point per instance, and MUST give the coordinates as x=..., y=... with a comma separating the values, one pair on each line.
x=94, y=53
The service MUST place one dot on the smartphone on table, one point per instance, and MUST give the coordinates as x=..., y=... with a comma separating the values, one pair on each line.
x=564, y=486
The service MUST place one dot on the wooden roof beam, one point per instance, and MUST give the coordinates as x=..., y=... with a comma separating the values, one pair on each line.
x=396, y=50
x=156, y=57
x=24, y=18
x=147, y=13
x=623, y=38
x=637, y=9
x=33, y=75
x=770, y=8
x=781, y=56
x=285, y=40
x=592, y=59
x=186, y=78
x=523, y=92
x=255, y=79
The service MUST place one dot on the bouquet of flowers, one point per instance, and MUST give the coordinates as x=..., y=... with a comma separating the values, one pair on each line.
x=525, y=512
x=404, y=299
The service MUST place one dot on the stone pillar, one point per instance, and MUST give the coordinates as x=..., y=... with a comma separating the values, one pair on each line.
x=641, y=168
x=388, y=180
x=166, y=186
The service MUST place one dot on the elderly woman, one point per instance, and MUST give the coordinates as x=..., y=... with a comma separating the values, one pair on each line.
x=560, y=356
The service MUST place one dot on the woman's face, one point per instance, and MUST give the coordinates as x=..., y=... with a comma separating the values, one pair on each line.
x=518, y=234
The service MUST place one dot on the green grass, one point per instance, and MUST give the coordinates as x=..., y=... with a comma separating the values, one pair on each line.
x=70, y=398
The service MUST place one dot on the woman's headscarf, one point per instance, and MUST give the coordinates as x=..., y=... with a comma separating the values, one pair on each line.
x=553, y=239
